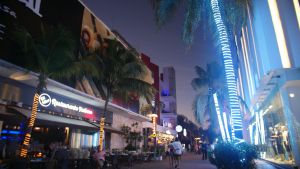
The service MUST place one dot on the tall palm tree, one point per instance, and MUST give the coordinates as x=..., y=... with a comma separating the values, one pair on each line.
x=122, y=74
x=225, y=18
x=51, y=55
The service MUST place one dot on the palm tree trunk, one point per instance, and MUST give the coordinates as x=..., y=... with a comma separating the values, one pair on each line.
x=102, y=121
x=35, y=104
x=229, y=72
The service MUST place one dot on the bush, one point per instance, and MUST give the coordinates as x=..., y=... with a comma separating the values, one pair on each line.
x=228, y=155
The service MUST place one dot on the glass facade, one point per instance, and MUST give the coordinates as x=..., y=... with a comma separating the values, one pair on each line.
x=274, y=127
x=274, y=133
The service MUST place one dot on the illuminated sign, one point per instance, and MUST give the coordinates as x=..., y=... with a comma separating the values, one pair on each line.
x=45, y=100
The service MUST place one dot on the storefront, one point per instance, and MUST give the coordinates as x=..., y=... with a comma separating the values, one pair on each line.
x=274, y=127
x=65, y=115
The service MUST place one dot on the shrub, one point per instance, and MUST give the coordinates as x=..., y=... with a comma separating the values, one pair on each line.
x=229, y=155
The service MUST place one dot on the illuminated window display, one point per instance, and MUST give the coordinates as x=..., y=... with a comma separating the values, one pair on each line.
x=271, y=132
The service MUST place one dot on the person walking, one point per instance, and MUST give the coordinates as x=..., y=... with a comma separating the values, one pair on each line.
x=177, y=152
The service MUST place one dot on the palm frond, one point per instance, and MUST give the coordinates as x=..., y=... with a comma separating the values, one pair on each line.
x=201, y=72
x=198, y=83
x=192, y=20
x=236, y=14
x=136, y=86
x=199, y=106
x=164, y=10
x=135, y=69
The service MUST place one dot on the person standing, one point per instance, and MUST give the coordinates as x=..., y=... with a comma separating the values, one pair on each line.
x=204, y=150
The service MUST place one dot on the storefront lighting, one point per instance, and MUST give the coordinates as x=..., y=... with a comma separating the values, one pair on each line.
x=236, y=117
x=292, y=95
x=277, y=25
x=297, y=10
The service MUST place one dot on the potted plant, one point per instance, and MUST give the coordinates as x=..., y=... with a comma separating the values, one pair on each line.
x=230, y=155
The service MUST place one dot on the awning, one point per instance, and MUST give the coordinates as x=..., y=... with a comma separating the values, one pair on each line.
x=64, y=120
x=55, y=119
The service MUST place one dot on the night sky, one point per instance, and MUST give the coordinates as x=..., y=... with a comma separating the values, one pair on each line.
x=134, y=20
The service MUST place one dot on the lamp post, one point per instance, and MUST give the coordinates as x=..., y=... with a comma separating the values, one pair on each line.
x=154, y=129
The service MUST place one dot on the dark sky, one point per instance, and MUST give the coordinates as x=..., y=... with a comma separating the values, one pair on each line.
x=134, y=20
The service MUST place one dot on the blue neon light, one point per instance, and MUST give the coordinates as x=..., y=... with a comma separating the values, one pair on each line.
x=219, y=116
x=236, y=117
x=10, y=132
x=4, y=132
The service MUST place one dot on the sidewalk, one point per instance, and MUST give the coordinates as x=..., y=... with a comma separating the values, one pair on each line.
x=191, y=161
x=188, y=161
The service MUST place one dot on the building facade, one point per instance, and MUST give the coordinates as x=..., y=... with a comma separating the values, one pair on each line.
x=269, y=79
x=168, y=116
x=75, y=109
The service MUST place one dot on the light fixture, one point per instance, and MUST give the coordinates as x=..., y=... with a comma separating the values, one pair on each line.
x=184, y=132
x=292, y=95
x=37, y=128
x=152, y=115
x=168, y=131
x=178, y=128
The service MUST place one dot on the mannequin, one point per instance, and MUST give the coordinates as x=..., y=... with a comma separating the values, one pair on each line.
x=273, y=141
x=280, y=148
x=285, y=139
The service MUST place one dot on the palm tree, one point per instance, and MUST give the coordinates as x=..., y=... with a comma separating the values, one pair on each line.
x=122, y=74
x=207, y=83
x=51, y=55
x=226, y=18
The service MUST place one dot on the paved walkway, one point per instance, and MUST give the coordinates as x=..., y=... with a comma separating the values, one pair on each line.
x=188, y=161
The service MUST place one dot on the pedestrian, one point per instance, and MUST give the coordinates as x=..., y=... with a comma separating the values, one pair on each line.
x=177, y=152
x=204, y=150
x=99, y=156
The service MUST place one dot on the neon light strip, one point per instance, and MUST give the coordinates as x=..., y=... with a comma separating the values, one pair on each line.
x=246, y=57
x=236, y=117
x=257, y=128
x=262, y=128
x=226, y=126
x=285, y=60
x=297, y=10
x=253, y=43
x=219, y=116
x=241, y=83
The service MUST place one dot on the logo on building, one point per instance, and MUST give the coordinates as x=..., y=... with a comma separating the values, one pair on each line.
x=45, y=100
